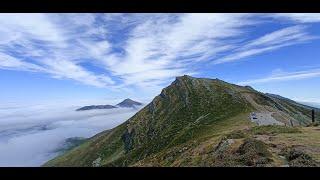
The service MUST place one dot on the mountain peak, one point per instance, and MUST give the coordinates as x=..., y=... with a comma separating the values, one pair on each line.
x=185, y=77
x=129, y=103
x=85, y=108
x=187, y=115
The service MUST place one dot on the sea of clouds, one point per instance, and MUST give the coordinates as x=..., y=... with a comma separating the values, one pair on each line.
x=31, y=135
x=312, y=104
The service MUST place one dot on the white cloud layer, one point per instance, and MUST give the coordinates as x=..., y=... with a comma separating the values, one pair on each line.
x=30, y=136
x=284, y=76
x=299, y=17
x=50, y=45
x=269, y=42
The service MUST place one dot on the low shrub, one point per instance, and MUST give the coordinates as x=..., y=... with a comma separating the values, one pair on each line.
x=298, y=158
x=254, y=153
x=236, y=135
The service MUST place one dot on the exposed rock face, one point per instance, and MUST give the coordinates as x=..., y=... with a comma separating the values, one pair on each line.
x=97, y=162
x=128, y=140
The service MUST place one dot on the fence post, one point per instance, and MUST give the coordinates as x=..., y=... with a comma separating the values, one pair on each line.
x=312, y=113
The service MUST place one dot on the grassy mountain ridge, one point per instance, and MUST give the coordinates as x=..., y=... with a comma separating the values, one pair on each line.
x=184, y=125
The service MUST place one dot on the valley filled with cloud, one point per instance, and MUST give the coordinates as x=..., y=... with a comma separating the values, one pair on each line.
x=30, y=136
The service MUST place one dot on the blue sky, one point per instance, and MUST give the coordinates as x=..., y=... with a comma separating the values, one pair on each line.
x=97, y=58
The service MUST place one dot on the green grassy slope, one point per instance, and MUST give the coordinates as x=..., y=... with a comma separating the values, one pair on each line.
x=179, y=127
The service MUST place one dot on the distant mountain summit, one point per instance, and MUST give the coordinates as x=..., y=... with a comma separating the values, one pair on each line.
x=129, y=103
x=96, y=107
